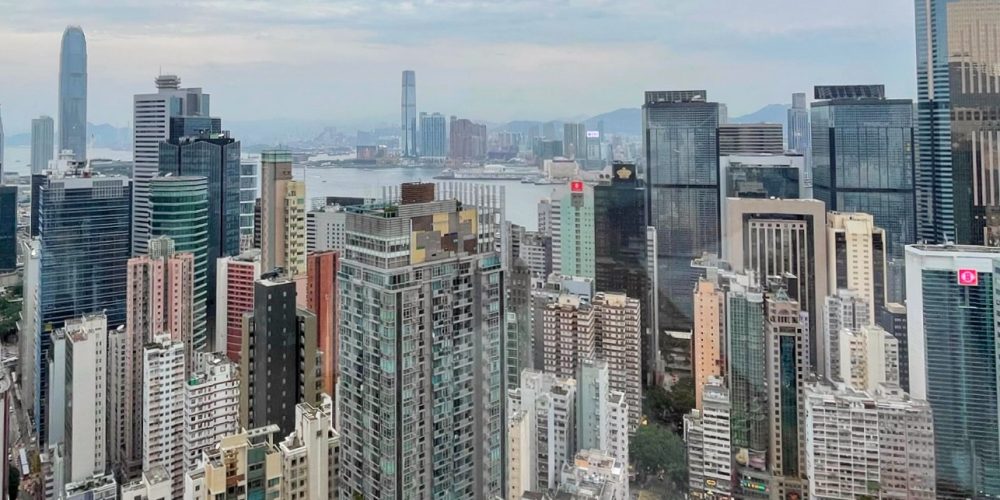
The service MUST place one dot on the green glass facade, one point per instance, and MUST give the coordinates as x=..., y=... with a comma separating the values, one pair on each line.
x=180, y=212
x=959, y=325
x=746, y=355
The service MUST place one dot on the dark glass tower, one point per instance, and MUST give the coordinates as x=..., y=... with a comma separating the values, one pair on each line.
x=73, y=93
x=216, y=157
x=8, y=228
x=682, y=193
x=863, y=161
x=957, y=104
x=621, y=251
x=84, y=234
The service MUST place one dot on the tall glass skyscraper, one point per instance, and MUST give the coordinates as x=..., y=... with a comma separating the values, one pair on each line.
x=799, y=134
x=951, y=293
x=408, y=142
x=216, y=157
x=863, y=161
x=83, y=231
x=682, y=176
x=42, y=143
x=8, y=228
x=957, y=102
x=73, y=93
x=180, y=212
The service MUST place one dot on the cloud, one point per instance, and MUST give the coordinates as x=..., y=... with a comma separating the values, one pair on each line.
x=339, y=60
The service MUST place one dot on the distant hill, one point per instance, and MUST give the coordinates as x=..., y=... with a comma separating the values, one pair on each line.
x=624, y=121
x=772, y=113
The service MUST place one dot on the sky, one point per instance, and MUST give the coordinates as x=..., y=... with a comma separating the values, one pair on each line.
x=339, y=61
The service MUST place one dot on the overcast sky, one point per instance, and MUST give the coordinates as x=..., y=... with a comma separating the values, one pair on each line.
x=340, y=60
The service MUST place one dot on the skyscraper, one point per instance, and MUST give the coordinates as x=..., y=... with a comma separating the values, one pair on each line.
x=249, y=174
x=956, y=96
x=548, y=407
x=951, y=319
x=216, y=157
x=321, y=299
x=1, y=147
x=211, y=405
x=160, y=303
x=573, y=230
x=413, y=251
x=83, y=230
x=786, y=339
x=466, y=140
x=682, y=175
x=283, y=216
x=163, y=408
x=86, y=376
x=433, y=136
x=288, y=335
x=179, y=209
x=234, y=297
x=575, y=140
x=863, y=161
x=621, y=252
x=8, y=228
x=151, y=120
x=799, y=133
x=784, y=238
x=42, y=145
x=707, y=431
x=857, y=251
x=73, y=93
x=616, y=325
x=408, y=143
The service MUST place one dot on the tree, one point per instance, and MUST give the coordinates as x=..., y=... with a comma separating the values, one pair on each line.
x=669, y=407
x=656, y=449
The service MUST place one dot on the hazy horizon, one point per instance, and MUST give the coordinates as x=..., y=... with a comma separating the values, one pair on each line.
x=339, y=62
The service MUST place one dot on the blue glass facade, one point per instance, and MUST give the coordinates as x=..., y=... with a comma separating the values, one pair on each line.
x=863, y=161
x=682, y=176
x=84, y=230
x=8, y=228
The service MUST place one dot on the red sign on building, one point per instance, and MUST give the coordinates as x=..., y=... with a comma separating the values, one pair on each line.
x=576, y=186
x=968, y=277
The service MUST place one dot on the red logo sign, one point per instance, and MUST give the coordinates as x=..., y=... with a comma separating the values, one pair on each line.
x=968, y=277
x=576, y=186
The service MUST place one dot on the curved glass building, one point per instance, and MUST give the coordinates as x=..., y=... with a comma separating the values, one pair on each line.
x=180, y=212
x=73, y=92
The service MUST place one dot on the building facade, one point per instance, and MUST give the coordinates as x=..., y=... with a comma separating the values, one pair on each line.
x=544, y=409
x=211, y=405
x=682, y=193
x=951, y=329
x=424, y=284
x=283, y=216
x=751, y=138
x=321, y=299
x=151, y=118
x=433, y=136
x=163, y=372
x=73, y=93
x=573, y=230
x=42, y=143
x=86, y=379
x=408, y=140
x=234, y=298
x=799, y=131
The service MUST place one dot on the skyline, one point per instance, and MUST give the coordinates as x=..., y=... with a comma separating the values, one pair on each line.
x=339, y=62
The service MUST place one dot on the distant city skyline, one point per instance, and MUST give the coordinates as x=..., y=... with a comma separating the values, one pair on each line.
x=340, y=61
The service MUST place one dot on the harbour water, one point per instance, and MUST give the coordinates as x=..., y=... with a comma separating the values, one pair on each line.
x=521, y=199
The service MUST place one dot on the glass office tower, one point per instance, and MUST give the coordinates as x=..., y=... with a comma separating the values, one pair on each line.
x=682, y=193
x=864, y=161
x=957, y=105
x=408, y=142
x=84, y=230
x=73, y=93
x=952, y=335
x=180, y=212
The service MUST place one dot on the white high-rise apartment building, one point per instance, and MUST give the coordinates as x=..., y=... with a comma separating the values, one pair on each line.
x=710, y=450
x=211, y=405
x=522, y=455
x=151, y=125
x=602, y=413
x=86, y=386
x=310, y=454
x=325, y=229
x=869, y=357
x=860, y=443
x=618, y=333
x=163, y=408
x=843, y=310
x=551, y=402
